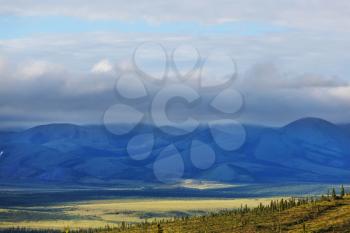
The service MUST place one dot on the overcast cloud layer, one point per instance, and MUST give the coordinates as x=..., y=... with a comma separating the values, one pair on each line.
x=59, y=59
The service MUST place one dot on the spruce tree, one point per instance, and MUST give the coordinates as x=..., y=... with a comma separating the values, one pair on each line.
x=159, y=228
x=334, y=194
x=342, y=191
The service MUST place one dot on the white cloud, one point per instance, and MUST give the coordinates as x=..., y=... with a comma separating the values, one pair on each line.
x=276, y=97
x=269, y=75
x=36, y=68
x=3, y=64
x=307, y=78
x=103, y=66
x=125, y=65
x=271, y=96
x=316, y=14
x=341, y=93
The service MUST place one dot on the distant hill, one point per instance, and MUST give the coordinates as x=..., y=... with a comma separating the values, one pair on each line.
x=307, y=150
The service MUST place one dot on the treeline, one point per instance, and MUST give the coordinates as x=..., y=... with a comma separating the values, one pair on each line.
x=239, y=215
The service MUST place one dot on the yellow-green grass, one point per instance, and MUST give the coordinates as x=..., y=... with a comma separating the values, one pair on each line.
x=326, y=215
x=95, y=214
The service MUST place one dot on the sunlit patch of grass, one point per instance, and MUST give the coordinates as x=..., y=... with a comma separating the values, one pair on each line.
x=94, y=214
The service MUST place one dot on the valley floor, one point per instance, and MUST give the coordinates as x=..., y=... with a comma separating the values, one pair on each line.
x=113, y=212
x=317, y=216
x=167, y=210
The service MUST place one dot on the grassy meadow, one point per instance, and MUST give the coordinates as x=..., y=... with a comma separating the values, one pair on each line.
x=99, y=213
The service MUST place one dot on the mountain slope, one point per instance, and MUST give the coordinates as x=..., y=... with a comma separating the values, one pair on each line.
x=306, y=150
x=312, y=145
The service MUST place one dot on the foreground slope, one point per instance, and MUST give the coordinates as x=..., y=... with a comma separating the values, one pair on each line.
x=326, y=215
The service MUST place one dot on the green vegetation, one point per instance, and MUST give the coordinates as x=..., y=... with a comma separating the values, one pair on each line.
x=308, y=215
x=329, y=213
x=342, y=191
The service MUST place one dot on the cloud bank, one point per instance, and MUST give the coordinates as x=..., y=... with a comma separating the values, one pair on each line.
x=291, y=55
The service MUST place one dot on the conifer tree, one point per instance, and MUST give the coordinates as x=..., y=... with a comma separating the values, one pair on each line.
x=342, y=191
x=159, y=228
x=334, y=194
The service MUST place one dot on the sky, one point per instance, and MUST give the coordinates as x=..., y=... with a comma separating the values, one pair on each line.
x=59, y=60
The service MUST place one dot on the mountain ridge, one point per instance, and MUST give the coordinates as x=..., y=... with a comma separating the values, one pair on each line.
x=309, y=149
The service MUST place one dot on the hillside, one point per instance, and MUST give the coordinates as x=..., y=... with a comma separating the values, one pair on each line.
x=325, y=215
x=307, y=150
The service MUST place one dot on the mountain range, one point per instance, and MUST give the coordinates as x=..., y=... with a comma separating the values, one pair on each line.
x=307, y=150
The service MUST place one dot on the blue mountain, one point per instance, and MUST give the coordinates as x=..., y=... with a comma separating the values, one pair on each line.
x=307, y=150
